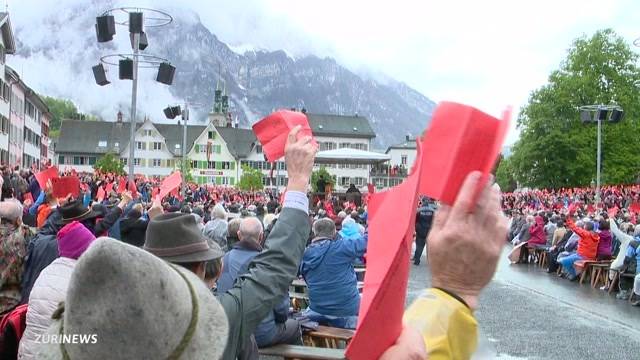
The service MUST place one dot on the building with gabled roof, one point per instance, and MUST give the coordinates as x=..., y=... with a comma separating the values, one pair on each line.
x=217, y=153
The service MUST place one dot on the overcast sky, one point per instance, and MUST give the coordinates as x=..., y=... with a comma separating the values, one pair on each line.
x=485, y=53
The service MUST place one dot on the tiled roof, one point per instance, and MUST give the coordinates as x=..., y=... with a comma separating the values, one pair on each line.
x=340, y=125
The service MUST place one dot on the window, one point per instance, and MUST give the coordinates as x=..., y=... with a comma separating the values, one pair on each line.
x=31, y=110
x=345, y=181
x=4, y=124
x=124, y=161
x=360, y=146
x=102, y=143
x=6, y=92
x=136, y=162
x=79, y=160
x=327, y=146
x=61, y=159
x=403, y=160
x=141, y=145
x=344, y=145
x=157, y=145
x=92, y=160
x=148, y=133
x=116, y=144
x=359, y=181
x=157, y=162
x=211, y=135
x=259, y=149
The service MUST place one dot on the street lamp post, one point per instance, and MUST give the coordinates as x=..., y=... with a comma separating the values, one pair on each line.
x=129, y=64
x=134, y=99
x=599, y=113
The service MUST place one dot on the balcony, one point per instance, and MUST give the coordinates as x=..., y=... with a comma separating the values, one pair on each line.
x=397, y=171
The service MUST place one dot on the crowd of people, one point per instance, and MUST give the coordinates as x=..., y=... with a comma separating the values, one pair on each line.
x=570, y=225
x=207, y=274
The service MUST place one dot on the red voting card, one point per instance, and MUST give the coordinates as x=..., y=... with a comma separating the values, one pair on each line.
x=66, y=185
x=43, y=176
x=460, y=139
x=122, y=185
x=101, y=194
x=273, y=130
x=613, y=212
x=109, y=188
x=134, y=190
x=28, y=198
x=170, y=183
x=385, y=283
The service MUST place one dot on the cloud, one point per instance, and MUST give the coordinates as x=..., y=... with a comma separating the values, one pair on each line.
x=485, y=53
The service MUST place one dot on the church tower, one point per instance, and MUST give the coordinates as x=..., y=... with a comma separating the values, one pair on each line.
x=219, y=115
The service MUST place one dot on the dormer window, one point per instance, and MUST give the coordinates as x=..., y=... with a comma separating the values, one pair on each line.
x=102, y=143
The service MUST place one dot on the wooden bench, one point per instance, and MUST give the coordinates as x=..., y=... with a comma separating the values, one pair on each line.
x=585, y=266
x=330, y=337
x=599, y=274
x=295, y=352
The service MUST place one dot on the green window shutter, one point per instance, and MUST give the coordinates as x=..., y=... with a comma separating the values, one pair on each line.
x=218, y=165
x=202, y=164
x=232, y=180
x=232, y=166
x=197, y=148
x=218, y=180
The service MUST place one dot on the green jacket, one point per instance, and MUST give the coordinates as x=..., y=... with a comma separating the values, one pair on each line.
x=270, y=273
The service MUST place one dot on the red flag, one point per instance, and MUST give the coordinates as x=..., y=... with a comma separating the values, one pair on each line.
x=460, y=139
x=170, y=183
x=613, y=212
x=154, y=192
x=109, y=188
x=66, y=185
x=43, y=176
x=385, y=284
x=133, y=189
x=101, y=194
x=272, y=131
x=122, y=185
x=371, y=189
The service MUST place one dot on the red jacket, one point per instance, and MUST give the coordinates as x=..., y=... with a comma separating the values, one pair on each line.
x=588, y=243
x=538, y=236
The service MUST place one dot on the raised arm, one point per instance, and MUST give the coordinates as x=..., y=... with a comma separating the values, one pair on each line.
x=270, y=273
x=617, y=232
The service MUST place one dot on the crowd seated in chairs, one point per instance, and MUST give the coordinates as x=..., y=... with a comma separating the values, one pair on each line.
x=597, y=247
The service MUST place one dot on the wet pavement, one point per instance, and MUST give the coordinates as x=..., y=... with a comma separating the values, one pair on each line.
x=526, y=313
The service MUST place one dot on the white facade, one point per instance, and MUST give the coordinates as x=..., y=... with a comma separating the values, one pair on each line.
x=402, y=156
x=346, y=174
x=152, y=158
x=211, y=161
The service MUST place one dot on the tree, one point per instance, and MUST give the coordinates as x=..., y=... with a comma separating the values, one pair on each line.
x=555, y=149
x=62, y=109
x=109, y=163
x=250, y=180
x=504, y=175
x=323, y=174
x=185, y=169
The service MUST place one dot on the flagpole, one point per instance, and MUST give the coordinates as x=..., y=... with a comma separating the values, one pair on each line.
x=185, y=118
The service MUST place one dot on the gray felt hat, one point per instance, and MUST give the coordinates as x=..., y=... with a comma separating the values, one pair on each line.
x=133, y=305
x=176, y=238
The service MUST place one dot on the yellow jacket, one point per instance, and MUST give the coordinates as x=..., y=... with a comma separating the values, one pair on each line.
x=447, y=325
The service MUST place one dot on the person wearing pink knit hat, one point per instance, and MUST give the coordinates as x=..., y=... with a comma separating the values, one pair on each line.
x=51, y=285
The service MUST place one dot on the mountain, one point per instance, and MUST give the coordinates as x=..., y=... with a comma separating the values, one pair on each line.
x=257, y=82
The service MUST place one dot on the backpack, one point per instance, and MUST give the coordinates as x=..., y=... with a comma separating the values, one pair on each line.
x=12, y=327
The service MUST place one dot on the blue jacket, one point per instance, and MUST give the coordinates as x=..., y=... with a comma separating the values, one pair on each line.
x=327, y=267
x=236, y=263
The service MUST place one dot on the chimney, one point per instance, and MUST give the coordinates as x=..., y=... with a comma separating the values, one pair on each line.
x=304, y=110
x=119, y=117
x=408, y=138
